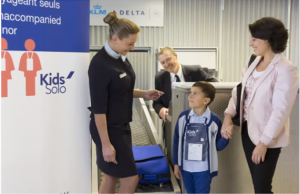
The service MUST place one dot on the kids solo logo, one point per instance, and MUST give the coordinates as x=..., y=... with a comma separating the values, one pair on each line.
x=55, y=84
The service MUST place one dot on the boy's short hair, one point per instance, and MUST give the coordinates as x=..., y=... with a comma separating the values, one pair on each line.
x=207, y=89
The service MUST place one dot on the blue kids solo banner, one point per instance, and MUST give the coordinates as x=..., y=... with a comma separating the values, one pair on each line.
x=44, y=96
x=54, y=25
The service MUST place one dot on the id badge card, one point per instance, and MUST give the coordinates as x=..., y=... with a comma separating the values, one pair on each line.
x=195, y=151
x=3, y=64
x=123, y=75
x=29, y=64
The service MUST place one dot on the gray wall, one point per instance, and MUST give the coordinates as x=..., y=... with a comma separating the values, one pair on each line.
x=204, y=23
x=141, y=62
x=237, y=15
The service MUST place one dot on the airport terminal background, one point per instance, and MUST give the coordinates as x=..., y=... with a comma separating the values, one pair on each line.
x=209, y=24
x=195, y=26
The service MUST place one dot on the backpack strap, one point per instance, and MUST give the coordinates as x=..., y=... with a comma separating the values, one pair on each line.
x=252, y=58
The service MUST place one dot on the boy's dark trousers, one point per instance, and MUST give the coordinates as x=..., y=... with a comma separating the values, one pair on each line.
x=262, y=173
x=196, y=182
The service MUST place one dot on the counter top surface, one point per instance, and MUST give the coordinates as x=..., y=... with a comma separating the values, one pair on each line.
x=217, y=85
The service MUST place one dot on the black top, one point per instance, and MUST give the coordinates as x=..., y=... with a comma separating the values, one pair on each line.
x=191, y=73
x=111, y=88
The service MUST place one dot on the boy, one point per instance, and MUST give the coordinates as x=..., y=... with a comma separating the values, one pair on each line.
x=196, y=140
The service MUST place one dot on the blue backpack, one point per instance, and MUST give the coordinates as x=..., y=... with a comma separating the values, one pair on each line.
x=151, y=164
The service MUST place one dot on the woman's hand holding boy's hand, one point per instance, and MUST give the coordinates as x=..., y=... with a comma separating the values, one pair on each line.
x=227, y=127
x=229, y=131
x=177, y=172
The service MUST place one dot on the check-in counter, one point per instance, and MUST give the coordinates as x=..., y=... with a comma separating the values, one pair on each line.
x=234, y=175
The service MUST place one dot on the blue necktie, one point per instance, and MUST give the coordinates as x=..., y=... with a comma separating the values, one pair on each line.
x=177, y=78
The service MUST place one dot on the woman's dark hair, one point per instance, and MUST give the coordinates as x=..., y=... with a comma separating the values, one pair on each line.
x=121, y=27
x=207, y=89
x=270, y=29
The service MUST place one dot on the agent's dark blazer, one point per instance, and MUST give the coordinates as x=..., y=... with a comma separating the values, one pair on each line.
x=191, y=73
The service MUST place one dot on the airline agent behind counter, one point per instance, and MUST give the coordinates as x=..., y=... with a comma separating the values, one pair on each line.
x=111, y=79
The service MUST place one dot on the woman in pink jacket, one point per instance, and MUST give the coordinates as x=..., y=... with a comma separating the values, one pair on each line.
x=269, y=90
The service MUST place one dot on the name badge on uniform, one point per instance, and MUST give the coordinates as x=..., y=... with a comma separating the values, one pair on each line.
x=123, y=75
x=29, y=64
x=3, y=64
x=195, y=151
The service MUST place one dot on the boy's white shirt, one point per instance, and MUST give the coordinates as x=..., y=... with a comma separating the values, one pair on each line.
x=193, y=165
x=180, y=75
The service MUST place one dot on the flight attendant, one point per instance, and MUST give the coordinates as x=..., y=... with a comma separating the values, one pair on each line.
x=111, y=80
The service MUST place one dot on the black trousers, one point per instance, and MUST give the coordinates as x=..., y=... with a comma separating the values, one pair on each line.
x=262, y=173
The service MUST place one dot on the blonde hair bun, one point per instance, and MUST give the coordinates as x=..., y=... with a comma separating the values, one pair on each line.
x=121, y=27
x=110, y=18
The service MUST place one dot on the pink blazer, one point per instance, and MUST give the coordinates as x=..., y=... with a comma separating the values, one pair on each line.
x=271, y=102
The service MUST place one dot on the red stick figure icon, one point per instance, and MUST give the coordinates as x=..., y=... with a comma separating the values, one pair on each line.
x=6, y=67
x=30, y=64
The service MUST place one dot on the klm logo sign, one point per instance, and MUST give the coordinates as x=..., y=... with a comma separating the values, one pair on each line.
x=97, y=10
